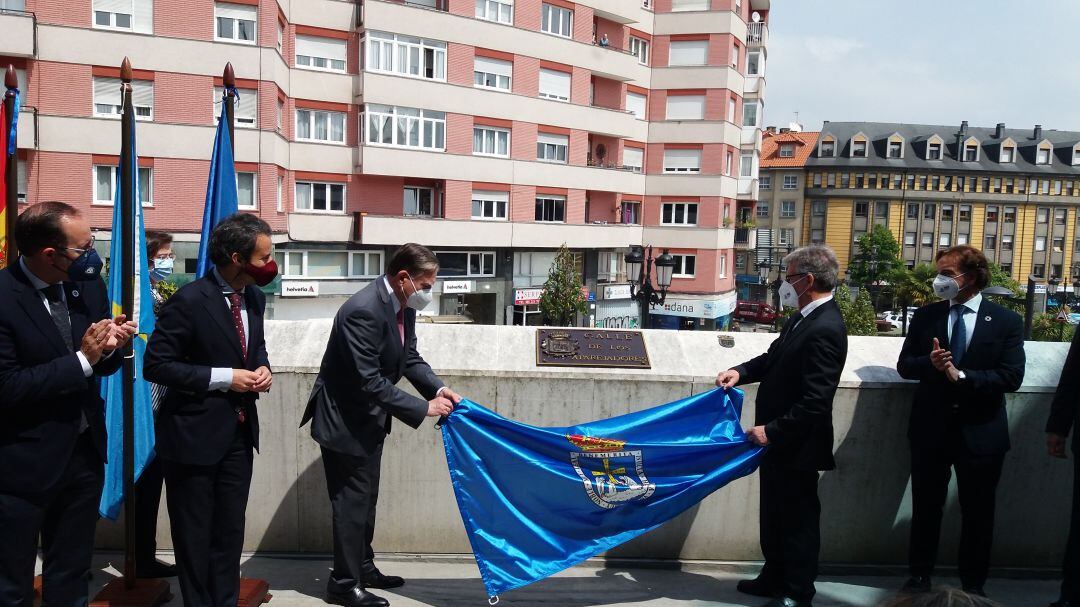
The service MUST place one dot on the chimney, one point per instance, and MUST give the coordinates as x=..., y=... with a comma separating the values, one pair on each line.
x=963, y=127
x=770, y=129
x=784, y=130
x=999, y=132
x=1038, y=132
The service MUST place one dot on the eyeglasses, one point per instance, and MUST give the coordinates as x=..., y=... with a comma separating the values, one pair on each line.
x=78, y=250
x=165, y=256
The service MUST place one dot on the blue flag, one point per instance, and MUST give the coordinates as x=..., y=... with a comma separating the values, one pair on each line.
x=112, y=496
x=220, y=191
x=536, y=501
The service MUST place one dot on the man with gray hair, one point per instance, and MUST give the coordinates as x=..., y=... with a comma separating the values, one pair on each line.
x=798, y=376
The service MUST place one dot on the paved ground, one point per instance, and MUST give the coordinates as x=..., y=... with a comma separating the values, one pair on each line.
x=454, y=582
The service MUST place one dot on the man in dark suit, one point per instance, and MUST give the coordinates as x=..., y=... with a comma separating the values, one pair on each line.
x=208, y=351
x=1064, y=416
x=966, y=352
x=798, y=376
x=56, y=338
x=355, y=398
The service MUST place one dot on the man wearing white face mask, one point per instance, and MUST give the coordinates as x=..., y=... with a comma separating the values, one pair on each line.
x=355, y=398
x=798, y=377
x=966, y=352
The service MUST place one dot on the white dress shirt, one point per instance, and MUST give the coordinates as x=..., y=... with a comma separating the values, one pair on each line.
x=41, y=284
x=810, y=307
x=971, y=316
x=221, y=377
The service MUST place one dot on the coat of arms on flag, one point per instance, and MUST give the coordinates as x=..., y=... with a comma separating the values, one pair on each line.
x=612, y=475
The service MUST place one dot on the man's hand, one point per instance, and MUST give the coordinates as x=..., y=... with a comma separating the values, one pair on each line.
x=452, y=396
x=951, y=372
x=757, y=436
x=440, y=406
x=95, y=339
x=122, y=331
x=263, y=380
x=1055, y=445
x=244, y=380
x=727, y=379
x=940, y=357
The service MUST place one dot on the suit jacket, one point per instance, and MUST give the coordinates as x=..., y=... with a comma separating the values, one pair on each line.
x=42, y=386
x=1065, y=410
x=195, y=333
x=799, y=375
x=355, y=395
x=993, y=363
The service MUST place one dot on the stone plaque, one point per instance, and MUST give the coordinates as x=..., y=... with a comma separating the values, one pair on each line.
x=557, y=347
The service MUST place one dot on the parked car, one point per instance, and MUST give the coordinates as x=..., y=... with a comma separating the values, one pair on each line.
x=895, y=318
x=755, y=311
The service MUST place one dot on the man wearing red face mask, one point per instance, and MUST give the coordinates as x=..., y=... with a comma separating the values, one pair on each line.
x=208, y=350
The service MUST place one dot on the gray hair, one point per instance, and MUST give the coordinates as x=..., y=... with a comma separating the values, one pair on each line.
x=818, y=260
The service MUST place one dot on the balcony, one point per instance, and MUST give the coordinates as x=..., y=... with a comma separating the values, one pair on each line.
x=18, y=37
x=757, y=34
x=748, y=187
x=690, y=238
x=383, y=230
x=745, y=238
x=316, y=227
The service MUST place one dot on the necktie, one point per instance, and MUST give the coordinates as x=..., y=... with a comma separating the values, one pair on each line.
x=794, y=320
x=238, y=322
x=59, y=312
x=401, y=325
x=958, y=342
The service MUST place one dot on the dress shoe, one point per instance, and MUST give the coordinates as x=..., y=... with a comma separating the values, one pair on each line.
x=357, y=597
x=757, y=587
x=376, y=579
x=154, y=569
x=916, y=584
x=787, y=601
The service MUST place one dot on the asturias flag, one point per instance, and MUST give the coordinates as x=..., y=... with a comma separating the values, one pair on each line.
x=220, y=191
x=112, y=496
x=3, y=185
x=536, y=501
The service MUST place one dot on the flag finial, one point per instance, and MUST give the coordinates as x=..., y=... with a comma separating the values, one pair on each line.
x=125, y=70
x=11, y=81
x=228, y=77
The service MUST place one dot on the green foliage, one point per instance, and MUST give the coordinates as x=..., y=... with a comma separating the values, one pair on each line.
x=914, y=287
x=861, y=319
x=166, y=288
x=878, y=257
x=1046, y=327
x=563, y=298
x=999, y=278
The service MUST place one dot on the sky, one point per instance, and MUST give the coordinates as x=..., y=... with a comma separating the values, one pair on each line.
x=925, y=62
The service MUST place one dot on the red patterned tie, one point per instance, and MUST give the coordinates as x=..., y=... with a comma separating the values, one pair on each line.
x=401, y=325
x=238, y=322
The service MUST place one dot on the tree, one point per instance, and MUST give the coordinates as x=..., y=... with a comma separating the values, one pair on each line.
x=563, y=298
x=914, y=287
x=1046, y=327
x=877, y=259
x=859, y=314
x=998, y=278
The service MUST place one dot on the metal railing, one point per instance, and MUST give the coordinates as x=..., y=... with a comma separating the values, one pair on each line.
x=755, y=32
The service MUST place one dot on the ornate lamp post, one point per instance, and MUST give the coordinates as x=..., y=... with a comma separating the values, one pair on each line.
x=1051, y=290
x=639, y=262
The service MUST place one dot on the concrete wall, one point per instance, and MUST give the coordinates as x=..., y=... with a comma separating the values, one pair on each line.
x=866, y=501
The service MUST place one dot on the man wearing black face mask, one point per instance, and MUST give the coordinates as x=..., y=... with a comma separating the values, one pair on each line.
x=372, y=345
x=56, y=338
x=208, y=351
x=966, y=352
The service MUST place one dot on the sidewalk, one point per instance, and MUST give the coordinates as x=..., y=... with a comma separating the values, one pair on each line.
x=299, y=581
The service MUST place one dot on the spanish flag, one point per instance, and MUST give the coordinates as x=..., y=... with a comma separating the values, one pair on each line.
x=3, y=186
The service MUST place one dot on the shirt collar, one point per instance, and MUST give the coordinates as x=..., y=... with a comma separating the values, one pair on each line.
x=393, y=296
x=971, y=304
x=34, y=280
x=810, y=307
x=226, y=288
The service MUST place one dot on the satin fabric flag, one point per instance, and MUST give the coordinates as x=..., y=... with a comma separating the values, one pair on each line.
x=3, y=185
x=536, y=501
x=112, y=495
x=221, y=200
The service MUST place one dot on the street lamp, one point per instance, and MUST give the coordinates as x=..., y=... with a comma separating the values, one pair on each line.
x=639, y=262
x=1051, y=290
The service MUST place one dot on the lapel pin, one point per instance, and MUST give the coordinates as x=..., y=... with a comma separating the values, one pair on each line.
x=74, y=293
x=987, y=319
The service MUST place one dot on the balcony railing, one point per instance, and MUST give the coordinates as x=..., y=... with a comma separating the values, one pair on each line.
x=596, y=164
x=755, y=32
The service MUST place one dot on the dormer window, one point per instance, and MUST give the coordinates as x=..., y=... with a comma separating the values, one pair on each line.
x=896, y=149
x=971, y=151
x=1043, y=152
x=1076, y=155
x=933, y=151
x=787, y=150
x=828, y=148
x=1008, y=153
x=858, y=149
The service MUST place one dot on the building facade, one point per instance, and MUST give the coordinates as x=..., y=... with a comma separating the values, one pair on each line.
x=1013, y=193
x=493, y=131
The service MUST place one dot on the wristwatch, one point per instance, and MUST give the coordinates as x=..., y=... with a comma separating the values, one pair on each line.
x=960, y=376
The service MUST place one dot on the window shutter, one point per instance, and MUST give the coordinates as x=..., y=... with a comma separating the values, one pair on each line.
x=682, y=159
x=142, y=93
x=555, y=83
x=548, y=138
x=688, y=52
x=633, y=157
x=492, y=196
x=636, y=103
x=107, y=91
x=686, y=107
x=327, y=48
x=235, y=11
x=143, y=20
x=493, y=66
x=114, y=6
x=689, y=5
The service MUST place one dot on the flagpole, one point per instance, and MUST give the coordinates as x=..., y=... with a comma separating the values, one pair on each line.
x=127, y=220
x=11, y=175
x=228, y=79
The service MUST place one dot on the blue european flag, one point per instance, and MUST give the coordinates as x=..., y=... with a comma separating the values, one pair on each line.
x=220, y=191
x=112, y=495
x=536, y=501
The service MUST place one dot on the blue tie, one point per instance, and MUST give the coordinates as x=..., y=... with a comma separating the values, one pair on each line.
x=958, y=342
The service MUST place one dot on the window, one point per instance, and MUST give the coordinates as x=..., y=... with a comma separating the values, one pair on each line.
x=490, y=206
x=945, y=239
x=1056, y=188
x=633, y=158
x=406, y=55
x=1007, y=153
x=828, y=148
x=280, y=37
x=686, y=107
x=1059, y=217
x=722, y=263
x=929, y=211
x=763, y=208
x=557, y=20
x=331, y=264
x=554, y=85
x=551, y=147
x=750, y=113
x=909, y=239
x=881, y=211
x=319, y=125
x=817, y=208
x=729, y=159
x=1058, y=244
x=685, y=266
x=927, y=238
x=682, y=161
x=746, y=164
x=105, y=185
x=235, y=22
x=20, y=181
x=787, y=209
x=640, y=49
x=765, y=182
x=1042, y=156
x=320, y=197
x=326, y=54
x=785, y=236
x=787, y=150
x=1038, y=269
x=466, y=263
x=961, y=238
x=245, y=108
x=635, y=104
x=896, y=149
x=791, y=182
x=817, y=236
x=280, y=194
x=1040, y=243
x=831, y=181
x=630, y=212
x=991, y=214
x=845, y=180
x=735, y=55
x=922, y=182
x=131, y=15
x=946, y=212
x=679, y=213
x=731, y=109
x=678, y=6
x=491, y=141
x=247, y=186
x=108, y=104
x=862, y=208
x=965, y=212
x=912, y=211
x=500, y=11
x=688, y=52
x=280, y=114
x=933, y=151
x=492, y=73
x=418, y=201
x=406, y=127
x=911, y=182
x=753, y=63
x=858, y=149
x=551, y=208
x=971, y=152
x=1042, y=216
